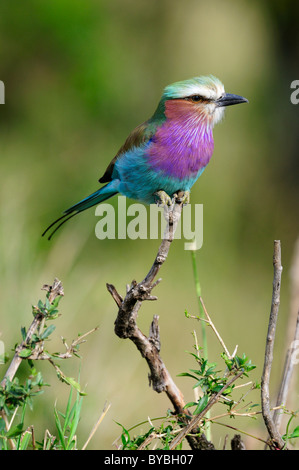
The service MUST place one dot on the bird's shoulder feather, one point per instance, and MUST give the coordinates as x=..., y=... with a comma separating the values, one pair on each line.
x=140, y=135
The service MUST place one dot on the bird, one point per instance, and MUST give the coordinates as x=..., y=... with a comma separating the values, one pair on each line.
x=168, y=152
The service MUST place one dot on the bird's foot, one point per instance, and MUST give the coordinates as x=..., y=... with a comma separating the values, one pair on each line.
x=162, y=199
x=182, y=197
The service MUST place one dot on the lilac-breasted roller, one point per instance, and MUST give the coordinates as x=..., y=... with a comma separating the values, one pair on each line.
x=167, y=153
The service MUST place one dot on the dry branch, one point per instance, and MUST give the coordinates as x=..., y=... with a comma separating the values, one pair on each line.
x=276, y=440
x=125, y=323
x=149, y=347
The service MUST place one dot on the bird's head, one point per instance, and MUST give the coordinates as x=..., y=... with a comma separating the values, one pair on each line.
x=201, y=98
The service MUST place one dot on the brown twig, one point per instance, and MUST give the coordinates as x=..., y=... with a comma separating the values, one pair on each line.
x=125, y=323
x=16, y=361
x=38, y=354
x=276, y=440
x=149, y=347
x=54, y=291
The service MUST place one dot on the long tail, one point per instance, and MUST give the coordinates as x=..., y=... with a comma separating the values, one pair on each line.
x=95, y=198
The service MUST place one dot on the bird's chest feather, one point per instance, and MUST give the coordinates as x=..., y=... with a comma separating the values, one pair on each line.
x=181, y=147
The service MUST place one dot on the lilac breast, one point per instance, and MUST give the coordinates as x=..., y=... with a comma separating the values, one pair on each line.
x=181, y=147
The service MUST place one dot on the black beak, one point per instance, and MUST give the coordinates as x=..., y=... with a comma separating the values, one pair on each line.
x=228, y=100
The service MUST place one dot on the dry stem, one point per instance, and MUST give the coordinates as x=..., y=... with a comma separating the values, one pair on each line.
x=275, y=438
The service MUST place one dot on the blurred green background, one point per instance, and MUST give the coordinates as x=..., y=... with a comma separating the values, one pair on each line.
x=79, y=76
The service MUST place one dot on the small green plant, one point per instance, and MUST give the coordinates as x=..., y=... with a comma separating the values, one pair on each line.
x=16, y=397
x=211, y=381
x=66, y=425
x=158, y=436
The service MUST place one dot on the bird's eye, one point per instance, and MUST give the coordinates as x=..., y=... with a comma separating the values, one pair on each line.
x=196, y=98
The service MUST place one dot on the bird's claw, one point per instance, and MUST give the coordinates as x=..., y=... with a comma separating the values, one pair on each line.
x=182, y=197
x=163, y=199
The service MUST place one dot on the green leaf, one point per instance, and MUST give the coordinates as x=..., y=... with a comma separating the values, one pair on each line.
x=23, y=333
x=210, y=370
x=75, y=414
x=71, y=381
x=186, y=374
x=68, y=410
x=293, y=435
x=53, y=314
x=47, y=304
x=2, y=425
x=59, y=429
x=196, y=356
x=56, y=301
x=25, y=440
x=196, y=371
x=15, y=431
x=199, y=383
x=201, y=404
x=25, y=353
x=47, y=332
x=190, y=403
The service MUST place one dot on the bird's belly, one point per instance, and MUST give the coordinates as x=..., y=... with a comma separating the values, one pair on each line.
x=144, y=190
x=140, y=180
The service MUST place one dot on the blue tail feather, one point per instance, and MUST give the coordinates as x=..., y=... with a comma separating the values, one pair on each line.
x=95, y=198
